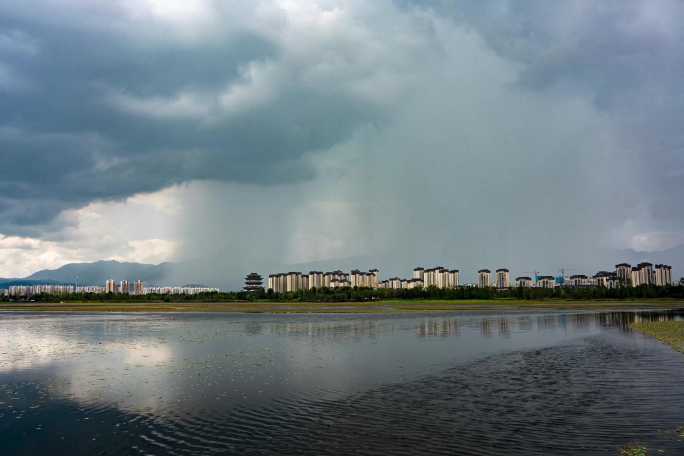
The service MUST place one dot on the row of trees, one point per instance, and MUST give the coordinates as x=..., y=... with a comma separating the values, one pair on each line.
x=368, y=294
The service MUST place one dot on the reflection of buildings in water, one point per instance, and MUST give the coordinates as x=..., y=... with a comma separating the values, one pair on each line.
x=331, y=330
x=254, y=328
x=486, y=327
x=581, y=321
x=656, y=316
x=445, y=327
x=621, y=320
x=524, y=324
x=438, y=328
x=548, y=322
x=505, y=327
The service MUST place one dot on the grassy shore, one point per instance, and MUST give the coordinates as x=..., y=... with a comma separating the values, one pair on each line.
x=668, y=332
x=379, y=307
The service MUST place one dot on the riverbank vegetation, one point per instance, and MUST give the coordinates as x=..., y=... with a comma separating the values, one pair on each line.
x=372, y=295
x=367, y=307
x=668, y=332
x=634, y=450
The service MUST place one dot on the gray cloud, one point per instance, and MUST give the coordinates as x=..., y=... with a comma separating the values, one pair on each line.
x=400, y=132
x=626, y=57
x=110, y=114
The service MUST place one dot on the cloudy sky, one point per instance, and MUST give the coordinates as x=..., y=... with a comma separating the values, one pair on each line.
x=259, y=134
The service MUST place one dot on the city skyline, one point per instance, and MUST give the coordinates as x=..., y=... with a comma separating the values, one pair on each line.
x=623, y=275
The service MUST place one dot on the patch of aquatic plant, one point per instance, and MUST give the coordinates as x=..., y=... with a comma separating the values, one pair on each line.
x=634, y=450
x=668, y=332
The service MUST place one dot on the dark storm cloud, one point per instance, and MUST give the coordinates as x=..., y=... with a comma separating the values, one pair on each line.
x=575, y=104
x=72, y=133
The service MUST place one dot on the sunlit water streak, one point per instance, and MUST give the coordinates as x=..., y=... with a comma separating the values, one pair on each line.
x=478, y=384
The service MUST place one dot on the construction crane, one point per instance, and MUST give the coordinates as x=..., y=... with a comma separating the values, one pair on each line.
x=563, y=274
x=533, y=274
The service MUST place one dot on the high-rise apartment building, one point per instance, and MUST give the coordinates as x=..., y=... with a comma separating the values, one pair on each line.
x=484, y=278
x=663, y=275
x=624, y=273
x=503, y=278
x=110, y=286
x=374, y=279
x=139, y=287
x=643, y=275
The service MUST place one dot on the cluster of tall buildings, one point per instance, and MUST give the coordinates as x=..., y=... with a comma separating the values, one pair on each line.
x=179, y=290
x=111, y=287
x=502, y=278
x=124, y=287
x=644, y=274
x=139, y=288
x=439, y=277
x=624, y=275
x=32, y=290
x=295, y=281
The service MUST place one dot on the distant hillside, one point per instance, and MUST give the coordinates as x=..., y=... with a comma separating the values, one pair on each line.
x=98, y=272
x=6, y=283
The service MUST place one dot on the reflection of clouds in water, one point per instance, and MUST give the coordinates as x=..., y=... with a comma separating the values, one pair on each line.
x=25, y=349
x=92, y=373
x=141, y=353
x=153, y=364
x=131, y=376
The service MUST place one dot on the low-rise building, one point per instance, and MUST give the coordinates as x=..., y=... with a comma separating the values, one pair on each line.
x=579, y=281
x=546, y=282
x=523, y=281
x=605, y=279
x=415, y=283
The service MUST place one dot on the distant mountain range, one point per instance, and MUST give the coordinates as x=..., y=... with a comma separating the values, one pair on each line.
x=97, y=273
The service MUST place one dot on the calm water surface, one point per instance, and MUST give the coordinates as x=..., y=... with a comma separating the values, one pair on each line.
x=477, y=384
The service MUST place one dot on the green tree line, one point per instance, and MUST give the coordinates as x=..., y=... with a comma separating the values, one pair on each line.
x=368, y=294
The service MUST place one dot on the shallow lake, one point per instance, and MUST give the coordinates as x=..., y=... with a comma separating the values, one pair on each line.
x=557, y=383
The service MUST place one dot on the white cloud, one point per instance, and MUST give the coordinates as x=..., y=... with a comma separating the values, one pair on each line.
x=30, y=348
x=149, y=251
x=258, y=85
x=18, y=43
x=138, y=229
x=322, y=47
x=656, y=241
x=182, y=105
